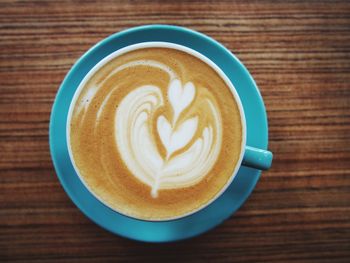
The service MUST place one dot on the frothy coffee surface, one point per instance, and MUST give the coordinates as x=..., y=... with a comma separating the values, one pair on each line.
x=155, y=133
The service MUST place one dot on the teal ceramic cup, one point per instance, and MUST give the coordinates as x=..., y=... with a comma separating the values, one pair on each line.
x=255, y=156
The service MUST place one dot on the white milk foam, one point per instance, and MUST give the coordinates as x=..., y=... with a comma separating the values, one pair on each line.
x=138, y=148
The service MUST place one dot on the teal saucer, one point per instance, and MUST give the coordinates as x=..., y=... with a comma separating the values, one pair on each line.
x=190, y=226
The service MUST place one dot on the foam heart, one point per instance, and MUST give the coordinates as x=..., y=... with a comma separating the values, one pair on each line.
x=174, y=140
x=180, y=97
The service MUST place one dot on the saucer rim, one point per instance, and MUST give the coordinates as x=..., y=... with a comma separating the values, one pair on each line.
x=137, y=30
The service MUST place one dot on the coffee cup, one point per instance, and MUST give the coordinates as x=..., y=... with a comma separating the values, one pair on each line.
x=156, y=131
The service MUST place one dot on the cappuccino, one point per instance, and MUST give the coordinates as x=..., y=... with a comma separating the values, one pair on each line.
x=155, y=133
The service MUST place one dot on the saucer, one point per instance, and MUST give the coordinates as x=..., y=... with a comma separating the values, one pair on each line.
x=190, y=226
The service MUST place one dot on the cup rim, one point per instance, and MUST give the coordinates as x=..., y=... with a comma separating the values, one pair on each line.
x=158, y=44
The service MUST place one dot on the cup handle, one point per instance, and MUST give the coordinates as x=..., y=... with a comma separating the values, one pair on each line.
x=257, y=158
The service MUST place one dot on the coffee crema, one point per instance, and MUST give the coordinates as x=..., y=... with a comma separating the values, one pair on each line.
x=155, y=133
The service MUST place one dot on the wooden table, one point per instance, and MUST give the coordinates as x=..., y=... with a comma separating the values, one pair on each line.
x=299, y=55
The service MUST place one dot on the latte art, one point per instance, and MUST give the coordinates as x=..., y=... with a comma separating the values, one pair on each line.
x=155, y=133
x=189, y=152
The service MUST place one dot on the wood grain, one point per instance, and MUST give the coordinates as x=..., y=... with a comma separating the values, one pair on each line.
x=299, y=55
